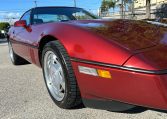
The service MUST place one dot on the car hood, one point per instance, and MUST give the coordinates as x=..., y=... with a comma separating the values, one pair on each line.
x=132, y=35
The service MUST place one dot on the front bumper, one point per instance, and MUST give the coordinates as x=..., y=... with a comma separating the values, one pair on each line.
x=137, y=88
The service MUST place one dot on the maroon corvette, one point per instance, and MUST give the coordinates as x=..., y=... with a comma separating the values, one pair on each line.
x=114, y=65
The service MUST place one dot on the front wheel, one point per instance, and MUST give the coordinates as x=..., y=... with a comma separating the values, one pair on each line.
x=59, y=76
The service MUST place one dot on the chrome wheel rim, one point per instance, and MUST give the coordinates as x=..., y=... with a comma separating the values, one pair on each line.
x=54, y=75
x=11, y=52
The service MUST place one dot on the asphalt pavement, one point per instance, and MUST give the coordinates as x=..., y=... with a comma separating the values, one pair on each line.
x=23, y=95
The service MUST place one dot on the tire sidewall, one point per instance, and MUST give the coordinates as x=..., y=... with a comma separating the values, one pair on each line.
x=52, y=47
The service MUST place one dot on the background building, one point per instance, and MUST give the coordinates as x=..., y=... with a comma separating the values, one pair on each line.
x=156, y=5
x=136, y=9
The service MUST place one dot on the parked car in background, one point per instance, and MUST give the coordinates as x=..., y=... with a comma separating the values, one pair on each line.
x=3, y=33
x=107, y=64
x=4, y=28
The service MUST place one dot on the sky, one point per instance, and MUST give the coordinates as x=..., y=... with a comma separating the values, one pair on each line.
x=14, y=8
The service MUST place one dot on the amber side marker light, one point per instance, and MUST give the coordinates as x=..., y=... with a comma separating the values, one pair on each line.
x=104, y=73
x=95, y=72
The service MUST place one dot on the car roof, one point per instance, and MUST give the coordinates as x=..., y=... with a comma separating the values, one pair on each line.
x=55, y=7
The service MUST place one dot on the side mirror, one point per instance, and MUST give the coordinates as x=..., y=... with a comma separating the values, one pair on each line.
x=21, y=23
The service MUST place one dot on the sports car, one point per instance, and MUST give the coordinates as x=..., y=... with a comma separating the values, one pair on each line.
x=113, y=64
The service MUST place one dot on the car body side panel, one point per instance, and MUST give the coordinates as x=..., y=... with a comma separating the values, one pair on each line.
x=99, y=40
x=155, y=57
x=78, y=42
x=25, y=42
x=125, y=86
x=29, y=37
x=17, y=42
x=86, y=44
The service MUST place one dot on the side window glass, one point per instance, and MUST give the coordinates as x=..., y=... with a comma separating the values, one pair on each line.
x=26, y=17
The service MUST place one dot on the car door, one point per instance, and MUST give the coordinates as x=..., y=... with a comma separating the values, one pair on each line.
x=21, y=37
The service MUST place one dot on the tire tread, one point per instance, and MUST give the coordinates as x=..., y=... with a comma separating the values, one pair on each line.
x=75, y=98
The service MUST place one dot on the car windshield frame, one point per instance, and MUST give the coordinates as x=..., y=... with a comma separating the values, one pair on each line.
x=67, y=11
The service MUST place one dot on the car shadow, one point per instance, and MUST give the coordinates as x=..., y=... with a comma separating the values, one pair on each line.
x=137, y=110
x=80, y=106
x=134, y=110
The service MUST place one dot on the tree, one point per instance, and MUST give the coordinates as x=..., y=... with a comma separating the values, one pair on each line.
x=104, y=6
x=111, y=4
x=107, y=4
x=4, y=25
x=161, y=11
x=148, y=9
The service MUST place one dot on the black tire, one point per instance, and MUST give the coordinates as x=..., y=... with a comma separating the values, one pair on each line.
x=15, y=59
x=72, y=96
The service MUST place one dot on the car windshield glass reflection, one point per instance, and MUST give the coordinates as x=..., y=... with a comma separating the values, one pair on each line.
x=45, y=15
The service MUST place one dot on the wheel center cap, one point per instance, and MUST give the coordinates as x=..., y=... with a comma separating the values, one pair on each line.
x=54, y=75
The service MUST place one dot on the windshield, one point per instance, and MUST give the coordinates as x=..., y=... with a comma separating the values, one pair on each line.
x=60, y=14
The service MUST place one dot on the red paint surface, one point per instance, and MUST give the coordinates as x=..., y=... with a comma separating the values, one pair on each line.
x=130, y=43
x=153, y=59
x=125, y=86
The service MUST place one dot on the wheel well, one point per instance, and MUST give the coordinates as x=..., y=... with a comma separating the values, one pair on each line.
x=42, y=43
